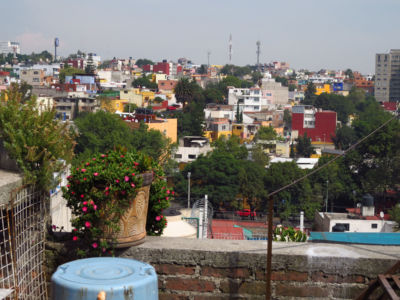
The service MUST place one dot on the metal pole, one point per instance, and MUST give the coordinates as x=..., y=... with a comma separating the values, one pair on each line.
x=269, y=249
x=188, y=176
x=302, y=221
x=205, y=216
x=326, y=200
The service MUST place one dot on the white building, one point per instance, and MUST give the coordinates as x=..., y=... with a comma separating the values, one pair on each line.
x=191, y=147
x=249, y=100
x=9, y=47
x=274, y=93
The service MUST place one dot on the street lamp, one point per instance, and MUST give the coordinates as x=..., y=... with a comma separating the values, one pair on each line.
x=188, y=177
x=327, y=195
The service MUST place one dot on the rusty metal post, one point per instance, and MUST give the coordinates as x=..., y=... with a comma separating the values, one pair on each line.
x=269, y=248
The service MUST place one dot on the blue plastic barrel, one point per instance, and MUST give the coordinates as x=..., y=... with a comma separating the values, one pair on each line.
x=119, y=278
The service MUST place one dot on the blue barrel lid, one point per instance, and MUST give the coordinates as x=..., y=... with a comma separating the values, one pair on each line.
x=112, y=275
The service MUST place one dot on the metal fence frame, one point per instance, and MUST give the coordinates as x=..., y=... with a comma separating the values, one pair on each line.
x=22, y=244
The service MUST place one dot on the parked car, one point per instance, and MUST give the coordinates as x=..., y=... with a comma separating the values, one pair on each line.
x=246, y=213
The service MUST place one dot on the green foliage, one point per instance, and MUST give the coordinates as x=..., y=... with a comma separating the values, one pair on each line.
x=144, y=61
x=185, y=91
x=287, y=118
x=259, y=156
x=309, y=94
x=69, y=71
x=130, y=107
x=27, y=58
x=230, y=146
x=349, y=73
x=18, y=92
x=191, y=120
x=395, y=215
x=213, y=95
x=304, y=147
x=144, y=81
x=281, y=234
x=99, y=192
x=282, y=80
x=36, y=140
x=256, y=77
x=344, y=137
x=251, y=180
x=202, y=69
x=267, y=133
x=236, y=71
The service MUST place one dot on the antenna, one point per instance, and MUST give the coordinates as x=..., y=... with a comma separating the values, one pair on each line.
x=15, y=59
x=258, y=54
x=230, y=49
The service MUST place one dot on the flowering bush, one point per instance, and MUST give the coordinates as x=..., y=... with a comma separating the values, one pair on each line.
x=101, y=189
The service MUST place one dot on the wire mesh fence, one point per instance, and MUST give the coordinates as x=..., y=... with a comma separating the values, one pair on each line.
x=22, y=244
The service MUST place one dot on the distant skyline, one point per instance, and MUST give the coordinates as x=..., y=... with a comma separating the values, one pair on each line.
x=309, y=34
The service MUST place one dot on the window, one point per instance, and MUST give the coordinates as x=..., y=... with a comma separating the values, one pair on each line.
x=374, y=226
x=178, y=155
x=223, y=127
x=35, y=72
x=192, y=156
x=35, y=79
x=346, y=226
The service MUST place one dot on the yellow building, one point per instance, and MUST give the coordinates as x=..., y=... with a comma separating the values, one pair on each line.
x=168, y=127
x=156, y=77
x=131, y=96
x=112, y=105
x=325, y=89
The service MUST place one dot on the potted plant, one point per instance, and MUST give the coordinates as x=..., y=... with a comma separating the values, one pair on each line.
x=109, y=196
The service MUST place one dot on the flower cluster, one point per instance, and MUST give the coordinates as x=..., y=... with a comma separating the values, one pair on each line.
x=99, y=191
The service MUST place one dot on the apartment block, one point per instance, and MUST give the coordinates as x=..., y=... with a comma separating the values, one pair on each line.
x=387, y=76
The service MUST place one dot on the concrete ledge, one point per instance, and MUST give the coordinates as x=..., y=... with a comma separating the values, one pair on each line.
x=226, y=269
x=8, y=182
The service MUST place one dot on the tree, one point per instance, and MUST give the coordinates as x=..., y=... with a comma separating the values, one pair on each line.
x=304, y=147
x=231, y=146
x=19, y=92
x=237, y=116
x=213, y=95
x=144, y=61
x=309, y=94
x=345, y=136
x=349, y=73
x=203, y=69
x=191, y=120
x=395, y=215
x=287, y=118
x=130, y=107
x=256, y=77
x=259, y=156
x=266, y=133
x=282, y=80
x=35, y=139
x=251, y=180
x=144, y=81
x=101, y=131
x=184, y=91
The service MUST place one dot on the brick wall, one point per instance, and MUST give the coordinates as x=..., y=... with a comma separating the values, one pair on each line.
x=211, y=269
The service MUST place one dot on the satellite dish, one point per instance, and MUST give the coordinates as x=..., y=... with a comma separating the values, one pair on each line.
x=382, y=214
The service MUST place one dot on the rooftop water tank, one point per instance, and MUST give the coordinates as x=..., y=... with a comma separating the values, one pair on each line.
x=117, y=278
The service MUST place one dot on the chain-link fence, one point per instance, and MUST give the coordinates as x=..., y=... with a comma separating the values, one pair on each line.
x=22, y=243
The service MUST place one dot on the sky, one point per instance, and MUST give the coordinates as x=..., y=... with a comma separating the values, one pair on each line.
x=309, y=34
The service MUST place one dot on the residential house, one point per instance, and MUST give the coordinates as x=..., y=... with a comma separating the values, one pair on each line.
x=32, y=77
x=248, y=100
x=190, y=148
x=274, y=93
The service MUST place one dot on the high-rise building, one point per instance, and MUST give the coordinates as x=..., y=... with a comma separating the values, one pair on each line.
x=9, y=47
x=387, y=76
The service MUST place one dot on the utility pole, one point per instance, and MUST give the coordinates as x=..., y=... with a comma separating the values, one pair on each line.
x=327, y=195
x=208, y=59
x=258, y=55
x=188, y=177
x=230, y=49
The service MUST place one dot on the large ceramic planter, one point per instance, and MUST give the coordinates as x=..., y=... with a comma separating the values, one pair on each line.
x=133, y=223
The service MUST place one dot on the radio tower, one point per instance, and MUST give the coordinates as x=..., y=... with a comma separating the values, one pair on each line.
x=258, y=55
x=230, y=49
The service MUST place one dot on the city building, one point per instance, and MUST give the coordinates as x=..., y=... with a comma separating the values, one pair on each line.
x=68, y=107
x=9, y=47
x=249, y=100
x=32, y=76
x=190, y=148
x=319, y=125
x=387, y=76
x=274, y=93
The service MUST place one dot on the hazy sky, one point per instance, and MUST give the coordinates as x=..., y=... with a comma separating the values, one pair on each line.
x=310, y=34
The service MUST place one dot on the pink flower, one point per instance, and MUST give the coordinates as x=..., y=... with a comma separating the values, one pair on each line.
x=83, y=170
x=54, y=227
x=122, y=156
x=126, y=178
x=84, y=203
x=74, y=229
x=69, y=177
x=95, y=207
x=72, y=193
x=84, y=209
x=91, y=202
x=107, y=188
x=75, y=238
x=68, y=185
x=103, y=249
x=132, y=185
x=107, y=193
x=84, y=178
x=166, y=198
x=168, y=191
x=96, y=174
x=136, y=164
x=103, y=155
x=94, y=245
x=77, y=169
x=82, y=196
x=87, y=164
x=133, y=174
x=123, y=192
x=158, y=218
x=87, y=224
x=117, y=180
x=93, y=159
x=163, y=187
x=173, y=193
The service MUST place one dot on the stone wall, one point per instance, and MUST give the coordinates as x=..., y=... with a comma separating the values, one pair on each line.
x=222, y=269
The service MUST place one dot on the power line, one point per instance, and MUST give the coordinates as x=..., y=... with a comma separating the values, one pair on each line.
x=332, y=160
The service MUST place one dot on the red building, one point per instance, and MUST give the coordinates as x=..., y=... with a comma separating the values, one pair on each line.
x=319, y=125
